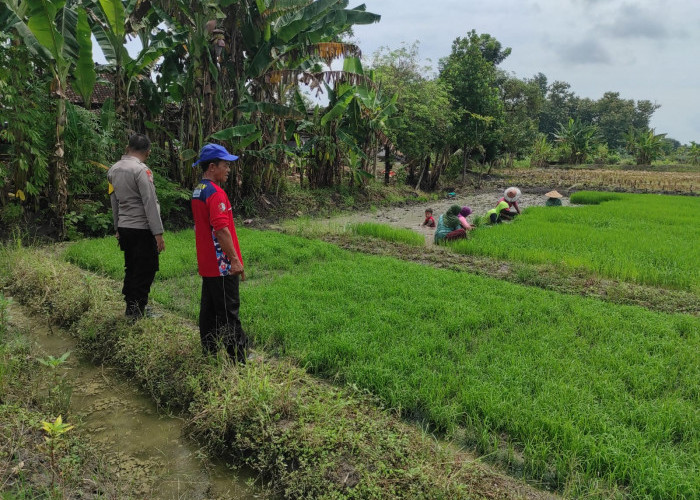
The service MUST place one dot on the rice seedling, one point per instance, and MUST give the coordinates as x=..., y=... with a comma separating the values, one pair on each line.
x=388, y=233
x=587, y=392
x=648, y=239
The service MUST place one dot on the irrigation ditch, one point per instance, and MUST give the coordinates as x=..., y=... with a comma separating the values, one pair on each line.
x=144, y=450
x=302, y=437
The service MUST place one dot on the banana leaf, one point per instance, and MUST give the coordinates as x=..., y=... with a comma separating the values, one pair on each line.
x=229, y=133
x=84, y=70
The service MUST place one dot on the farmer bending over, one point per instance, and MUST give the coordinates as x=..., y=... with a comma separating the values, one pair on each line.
x=511, y=197
x=453, y=225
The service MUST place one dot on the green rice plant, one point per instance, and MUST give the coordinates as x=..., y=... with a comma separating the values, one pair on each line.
x=647, y=239
x=593, y=197
x=594, y=396
x=179, y=259
x=388, y=233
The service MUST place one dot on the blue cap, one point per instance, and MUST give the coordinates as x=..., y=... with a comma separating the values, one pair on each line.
x=211, y=152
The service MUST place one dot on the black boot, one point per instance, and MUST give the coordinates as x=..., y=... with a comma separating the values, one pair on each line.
x=133, y=310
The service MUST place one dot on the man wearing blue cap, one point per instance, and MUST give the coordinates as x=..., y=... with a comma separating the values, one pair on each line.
x=218, y=257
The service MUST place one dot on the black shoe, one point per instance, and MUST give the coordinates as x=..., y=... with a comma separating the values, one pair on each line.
x=133, y=312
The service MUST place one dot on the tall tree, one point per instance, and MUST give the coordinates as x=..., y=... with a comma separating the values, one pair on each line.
x=522, y=101
x=560, y=105
x=422, y=124
x=470, y=74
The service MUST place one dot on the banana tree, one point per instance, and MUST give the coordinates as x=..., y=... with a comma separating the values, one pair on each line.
x=111, y=22
x=645, y=145
x=577, y=139
x=277, y=45
x=57, y=33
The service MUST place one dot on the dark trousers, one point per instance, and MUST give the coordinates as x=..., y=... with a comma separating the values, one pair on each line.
x=140, y=266
x=219, y=324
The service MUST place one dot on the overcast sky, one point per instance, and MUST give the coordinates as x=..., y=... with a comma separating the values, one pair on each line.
x=643, y=49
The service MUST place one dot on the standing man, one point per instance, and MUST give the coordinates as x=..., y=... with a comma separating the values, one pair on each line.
x=218, y=257
x=137, y=222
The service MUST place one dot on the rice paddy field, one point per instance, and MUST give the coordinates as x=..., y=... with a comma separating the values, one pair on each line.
x=644, y=238
x=591, y=398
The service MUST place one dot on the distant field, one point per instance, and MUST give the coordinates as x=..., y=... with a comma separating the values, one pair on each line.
x=674, y=180
x=649, y=239
x=581, y=394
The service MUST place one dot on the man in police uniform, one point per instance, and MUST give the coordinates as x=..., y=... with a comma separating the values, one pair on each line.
x=139, y=228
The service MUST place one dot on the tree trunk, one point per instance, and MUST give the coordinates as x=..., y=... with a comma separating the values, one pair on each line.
x=465, y=159
x=61, y=168
x=387, y=163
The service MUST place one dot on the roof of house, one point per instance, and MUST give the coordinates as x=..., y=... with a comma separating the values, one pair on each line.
x=104, y=89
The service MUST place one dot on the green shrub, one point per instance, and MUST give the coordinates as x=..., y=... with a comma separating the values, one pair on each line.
x=11, y=214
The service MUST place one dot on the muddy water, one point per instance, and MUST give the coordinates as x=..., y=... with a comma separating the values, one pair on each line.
x=146, y=450
x=412, y=217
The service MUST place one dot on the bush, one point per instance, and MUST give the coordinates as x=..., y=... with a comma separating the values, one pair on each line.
x=90, y=219
x=11, y=214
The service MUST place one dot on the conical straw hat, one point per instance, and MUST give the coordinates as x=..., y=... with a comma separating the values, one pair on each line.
x=553, y=194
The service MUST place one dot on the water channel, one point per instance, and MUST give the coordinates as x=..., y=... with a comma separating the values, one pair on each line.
x=144, y=448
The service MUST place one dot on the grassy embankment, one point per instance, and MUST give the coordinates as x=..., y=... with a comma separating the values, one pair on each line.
x=648, y=239
x=589, y=397
x=307, y=438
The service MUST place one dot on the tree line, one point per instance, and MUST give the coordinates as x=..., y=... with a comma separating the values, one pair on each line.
x=240, y=72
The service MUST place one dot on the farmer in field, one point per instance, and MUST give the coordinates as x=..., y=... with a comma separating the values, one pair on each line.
x=493, y=216
x=137, y=223
x=553, y=199
x=453, y=225
x=511, y=197
x=218, y=257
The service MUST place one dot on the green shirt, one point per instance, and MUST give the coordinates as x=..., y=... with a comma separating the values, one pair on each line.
x=501, y=206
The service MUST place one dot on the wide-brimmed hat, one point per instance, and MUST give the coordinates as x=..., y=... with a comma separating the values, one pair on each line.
x=511, y=198
x=211, y=152
x=553, y=194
